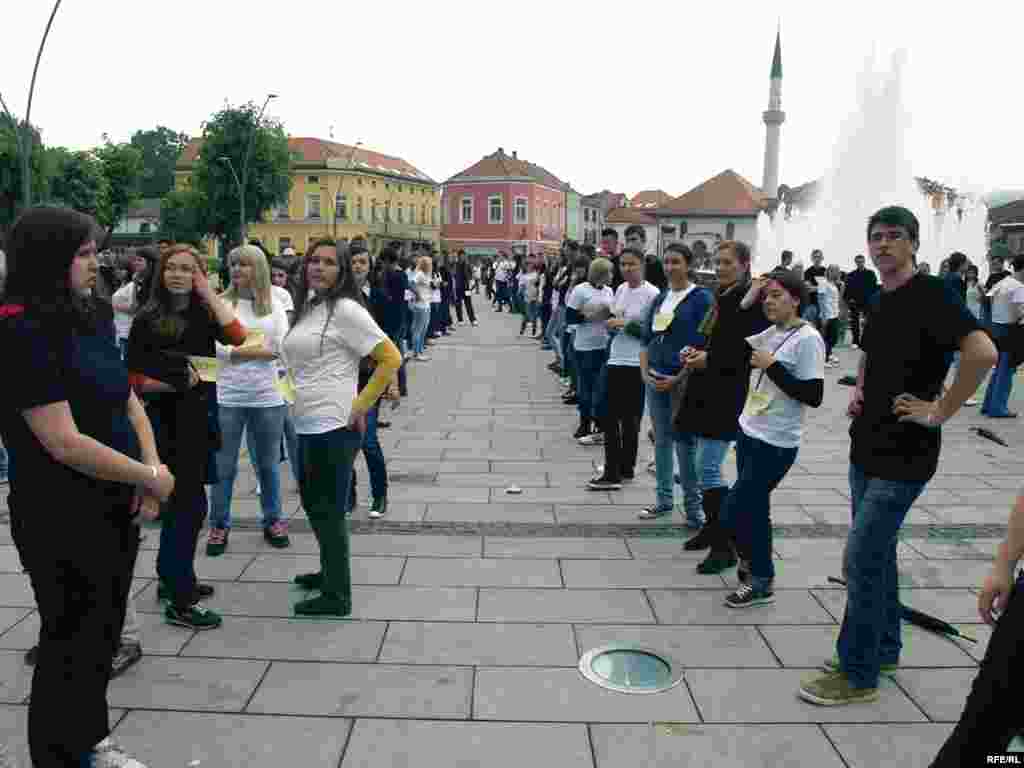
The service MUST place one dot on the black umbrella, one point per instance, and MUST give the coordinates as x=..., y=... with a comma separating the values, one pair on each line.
x=923, y=620
x=989, y=435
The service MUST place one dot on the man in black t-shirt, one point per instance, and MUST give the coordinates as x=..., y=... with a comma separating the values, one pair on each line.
x=897, y=409
x=811, y=275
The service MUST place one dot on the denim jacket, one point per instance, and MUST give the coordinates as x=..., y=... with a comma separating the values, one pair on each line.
x=684, y=331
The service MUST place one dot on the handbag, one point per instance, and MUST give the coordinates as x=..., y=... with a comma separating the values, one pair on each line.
x=678, y=393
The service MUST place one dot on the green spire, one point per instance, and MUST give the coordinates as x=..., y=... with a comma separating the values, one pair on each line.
x=777, y=58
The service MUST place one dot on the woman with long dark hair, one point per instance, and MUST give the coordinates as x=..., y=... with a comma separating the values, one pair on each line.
x=84, y=471
x=331, y=334
x=172, y=337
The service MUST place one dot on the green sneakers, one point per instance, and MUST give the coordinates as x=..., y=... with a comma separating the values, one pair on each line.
x=193, y=617
x=832, y=689
x=324, y=605
x=832, y=665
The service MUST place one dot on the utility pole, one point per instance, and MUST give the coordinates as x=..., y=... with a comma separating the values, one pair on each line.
x=243, y=181
x=23, y=133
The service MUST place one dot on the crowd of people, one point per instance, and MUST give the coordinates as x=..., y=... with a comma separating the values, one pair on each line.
x=133, y=397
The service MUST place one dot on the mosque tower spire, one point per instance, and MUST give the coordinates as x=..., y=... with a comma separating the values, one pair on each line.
x=773, y=119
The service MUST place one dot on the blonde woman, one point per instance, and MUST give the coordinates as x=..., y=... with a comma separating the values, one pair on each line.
x=248, y=399
x=421, y=306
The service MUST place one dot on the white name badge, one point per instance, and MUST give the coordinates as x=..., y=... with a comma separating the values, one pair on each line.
x=663, y=320
x=757, y=403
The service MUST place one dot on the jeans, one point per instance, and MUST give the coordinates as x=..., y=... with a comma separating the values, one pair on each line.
x=4, y=466
x=997, y=394
x=588, y=365
x=264, y=428
x=990, y=717
x=420, y=321
x=325, y=472
x=855, y=315
x=667, y=439
x=403, y=380
x=624, y=410
x=553, y=333
x=375, y=464
x=831, y=335
x=870, y=635
x=182, y=520
x=710, y=454
x=746, y=513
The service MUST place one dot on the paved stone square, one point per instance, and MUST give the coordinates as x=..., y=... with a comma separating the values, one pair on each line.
x=472, y=605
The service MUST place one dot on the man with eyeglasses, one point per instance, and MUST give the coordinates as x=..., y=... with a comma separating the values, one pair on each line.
x=897, y=408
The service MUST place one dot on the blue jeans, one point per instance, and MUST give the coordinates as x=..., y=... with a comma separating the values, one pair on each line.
x=666, y=438
x=420, y=321
x=3, y=461
x=375, y=465
x=532, y=311
x=997, y=394
x=870, y=635
x=555, y=327
x=746, y=513
x=264, y=428
x=588, y=365
x=709, y=456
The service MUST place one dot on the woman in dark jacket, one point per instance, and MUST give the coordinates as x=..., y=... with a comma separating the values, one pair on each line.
x=172, y=336
x=716, y=392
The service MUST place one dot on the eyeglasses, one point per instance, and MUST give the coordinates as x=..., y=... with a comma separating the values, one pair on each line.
x=892, y=237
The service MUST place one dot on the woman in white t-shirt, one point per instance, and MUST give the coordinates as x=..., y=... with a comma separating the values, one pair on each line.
x=828, y=312
x=1007, y=312
x=332, y=332
x=588, y=307
x=248, y=399
x=127, y=299
x=529, y=292
x=789, y=363
x=423, y=292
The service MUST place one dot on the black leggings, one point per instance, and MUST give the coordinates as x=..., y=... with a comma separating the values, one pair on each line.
x=831, y=335
x=623, y=413
x=990, y=717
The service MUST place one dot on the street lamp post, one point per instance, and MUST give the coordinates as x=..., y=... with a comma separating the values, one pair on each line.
x=242, y=182
x=23, y=136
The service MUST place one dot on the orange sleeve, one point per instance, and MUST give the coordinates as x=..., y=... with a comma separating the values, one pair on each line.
x=235, y=333
x=136, y=381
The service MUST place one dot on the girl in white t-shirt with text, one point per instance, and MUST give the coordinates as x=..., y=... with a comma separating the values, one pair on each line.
x=788, y=362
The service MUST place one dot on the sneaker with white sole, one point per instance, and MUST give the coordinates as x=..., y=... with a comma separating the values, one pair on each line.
x=604, y=484
x=652, y=513
x=594, y=438
x=107, y=754
x=747, y=596
x=971, y=402
x=832, y=665
x=832, y=689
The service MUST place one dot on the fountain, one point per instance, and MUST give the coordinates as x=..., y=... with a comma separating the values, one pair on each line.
x=871, y=169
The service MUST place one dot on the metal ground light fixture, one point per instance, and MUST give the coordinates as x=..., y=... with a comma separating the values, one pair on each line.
x=630, y=668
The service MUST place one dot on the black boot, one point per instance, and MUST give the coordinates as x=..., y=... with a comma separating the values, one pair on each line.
x=713, y=498
x=722, y=555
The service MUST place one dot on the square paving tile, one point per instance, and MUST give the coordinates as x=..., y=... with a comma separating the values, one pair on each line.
x=598, y=606
x=289, y=640
x=479, y=644
x=405, y=743
x=722, y=746
x=414, y=603
x=164, y=682
x=191, y=739
x=433, y=495
x=158, y=637
x=15, y=677
x=416, y=545
x=954, y=549
x=600, y=511
x=226, y=567
x=691, y=606
x=364, y=690
x=561, y=695
x=636, y=574
x=8, y=618
x=769, y=696
x=906, y=745
x=561, y=547
x=949, y=604
x=280, y=567
x=497, y=512
x=943, y=573
x=15, y=591
x=941, y=693
x=398, y=511
x=688, y=646
x=810, y=646
x=479, y=572
x=9, y=560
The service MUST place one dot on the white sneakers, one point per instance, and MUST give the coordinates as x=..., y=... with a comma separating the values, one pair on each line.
x=107, y=754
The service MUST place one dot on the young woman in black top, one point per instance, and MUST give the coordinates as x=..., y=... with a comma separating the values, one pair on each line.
x=84, y=472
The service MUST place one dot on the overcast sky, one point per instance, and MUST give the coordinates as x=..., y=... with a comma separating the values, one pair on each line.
x=626, y=96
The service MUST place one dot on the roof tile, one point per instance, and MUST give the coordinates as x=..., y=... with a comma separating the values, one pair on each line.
x=727, y=194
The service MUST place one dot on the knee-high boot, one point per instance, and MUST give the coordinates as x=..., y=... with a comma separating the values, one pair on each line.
x=709, y=532
x=721, y=555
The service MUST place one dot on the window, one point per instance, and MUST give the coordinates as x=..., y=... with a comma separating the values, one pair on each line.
x=373, y=211
x=359, y=181
x=373, y=182
x=313, y=206
x=682, y=228
x=520, y=211
x=387, y=210
x=279, y=211
x=467, y=211
x=423, y=214
x=401, y=213
x=359, y=208
x=399, y=187
x=433, y=216
x=495, y=214
x=312, y=179
x=340, y=206
x=730, y=230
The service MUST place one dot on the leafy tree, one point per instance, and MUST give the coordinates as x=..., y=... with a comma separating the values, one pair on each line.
x=121, y=165
x=160, y=147
x=267, y=180
x=78, y=182
x=10, y=172
x=183, y=216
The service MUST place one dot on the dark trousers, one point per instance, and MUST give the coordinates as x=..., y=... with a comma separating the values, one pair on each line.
x=434, y=327
x=182, y=519
x=545, y=318
x=325, y=484
x=569, y=364
x=588, y=364
x=623, y=412
x=403, y=379
x=855, y=316
x=81, y=579
x=831, y=334
x=990, y=717
x=468, y=301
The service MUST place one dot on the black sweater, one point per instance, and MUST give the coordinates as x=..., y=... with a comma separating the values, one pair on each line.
x=715, y=396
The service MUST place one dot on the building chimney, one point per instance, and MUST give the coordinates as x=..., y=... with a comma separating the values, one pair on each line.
x=501, y=150
x=515, y=156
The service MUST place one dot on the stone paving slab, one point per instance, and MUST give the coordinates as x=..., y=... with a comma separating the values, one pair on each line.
x=905, y=745
x=769, y=696
x=15, y=677
x=690, y=646
x=205, y=685
x=479, y=644
x=534, y=512
x=811, y=646
x=365, y=570
x=15, y=591
x=159, y=638
x=364, y=690
x=563, y=695
x=636, y=574
x=950, y=604
x=479, y=572
x=288, y=640
x=551, y=548
x=941, y=693
x=192, y=739
x=416, y=546
x=600, y=606
x=9, y=617
x=722, y=746
x=795, y=606
x=376, y=743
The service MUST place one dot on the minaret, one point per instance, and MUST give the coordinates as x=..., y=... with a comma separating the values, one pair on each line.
x=773, y=119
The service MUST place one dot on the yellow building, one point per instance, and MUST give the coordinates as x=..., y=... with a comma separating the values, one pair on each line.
x=344, y=192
